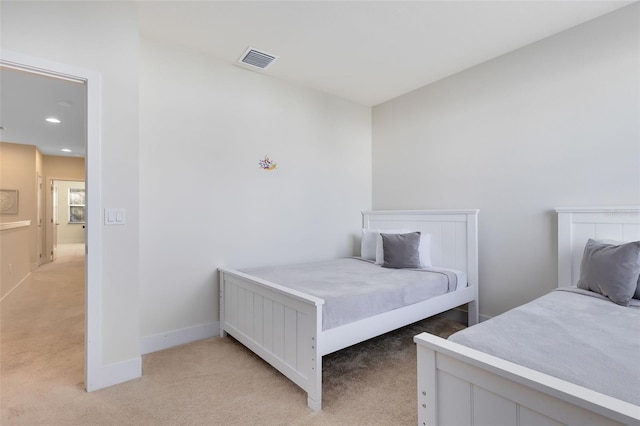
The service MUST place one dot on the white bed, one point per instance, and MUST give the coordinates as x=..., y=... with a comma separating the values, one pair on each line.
x=284, y=326
x=460, y=385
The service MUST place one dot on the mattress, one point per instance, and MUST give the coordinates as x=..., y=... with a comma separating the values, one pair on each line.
x=355, y=288
x=570, y=334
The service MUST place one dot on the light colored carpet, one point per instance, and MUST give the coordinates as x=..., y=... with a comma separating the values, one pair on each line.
x=211, y=382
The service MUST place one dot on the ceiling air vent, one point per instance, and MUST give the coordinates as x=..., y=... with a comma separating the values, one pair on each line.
x=257, y=59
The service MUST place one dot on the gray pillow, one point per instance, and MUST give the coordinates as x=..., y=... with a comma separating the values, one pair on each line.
x=611, y=270
x=401, y=250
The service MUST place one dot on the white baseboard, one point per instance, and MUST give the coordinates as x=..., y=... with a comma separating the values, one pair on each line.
x=116, y=373
x=173, y=338
x=16, y=286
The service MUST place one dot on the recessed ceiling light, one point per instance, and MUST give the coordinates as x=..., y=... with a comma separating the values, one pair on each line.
x=65, y=150
x=65, y=103
x=52, y=120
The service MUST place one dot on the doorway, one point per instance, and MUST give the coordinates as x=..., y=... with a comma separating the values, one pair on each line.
x=66, y=215
x=91, y=80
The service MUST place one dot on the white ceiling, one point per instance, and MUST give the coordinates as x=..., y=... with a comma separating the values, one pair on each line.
x=364, y=51
x=27, y=99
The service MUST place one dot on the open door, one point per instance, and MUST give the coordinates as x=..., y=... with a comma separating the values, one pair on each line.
x=40, y=223
x=54, y=220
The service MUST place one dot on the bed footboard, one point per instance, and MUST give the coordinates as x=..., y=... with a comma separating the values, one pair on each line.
x=279, y=324
x=459, y=385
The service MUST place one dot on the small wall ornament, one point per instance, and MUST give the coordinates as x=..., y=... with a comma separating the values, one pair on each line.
x=267, y=164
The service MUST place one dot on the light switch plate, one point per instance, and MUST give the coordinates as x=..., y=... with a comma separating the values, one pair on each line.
x=115, y=216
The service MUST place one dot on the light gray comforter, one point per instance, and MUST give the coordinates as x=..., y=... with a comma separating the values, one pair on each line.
x=354, y=288
x=570, y=334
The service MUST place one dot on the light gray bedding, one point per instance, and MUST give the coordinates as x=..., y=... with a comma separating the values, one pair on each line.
x=355, y=288
x=570, y=334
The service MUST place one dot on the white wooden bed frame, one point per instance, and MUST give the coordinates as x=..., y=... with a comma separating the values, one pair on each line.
x=458, y=385
x=284, y=326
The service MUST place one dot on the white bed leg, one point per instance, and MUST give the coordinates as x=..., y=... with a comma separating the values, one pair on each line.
x=314, y=391
x=313, y=404
x=473, y=314
x=426, y=381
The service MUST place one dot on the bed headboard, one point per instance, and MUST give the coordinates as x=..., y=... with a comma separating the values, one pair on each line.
x=577, y=225
x=454, y=234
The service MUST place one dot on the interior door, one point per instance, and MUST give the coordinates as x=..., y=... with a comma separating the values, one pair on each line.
x=54, y=220
x=39, y=219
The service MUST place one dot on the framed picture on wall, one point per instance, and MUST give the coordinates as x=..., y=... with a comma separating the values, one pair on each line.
x=8, y=201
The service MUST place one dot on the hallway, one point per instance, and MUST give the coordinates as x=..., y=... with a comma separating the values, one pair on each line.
x=42, y=332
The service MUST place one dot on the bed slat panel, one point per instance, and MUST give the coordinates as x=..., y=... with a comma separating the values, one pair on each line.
x=290, y=336
x=278, y=330
x=460, y=255
x=454, y=411
x=447, y=245
x=631, y=232
x=531, y=418
x=305, y=344
x=491, y=409
x=268, y=324
x=248, y=322
x=608, y=231
x=581, y=234
x=230, y=301
x=258, y=319
x=242, y=316
x=436, y=245
x=239, y=306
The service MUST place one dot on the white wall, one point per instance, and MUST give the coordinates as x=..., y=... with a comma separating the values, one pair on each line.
x=205, y=203
x=101, y=37
x=18, y=254
x=553, y=124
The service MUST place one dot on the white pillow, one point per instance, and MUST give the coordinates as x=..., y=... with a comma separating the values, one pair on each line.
x=424, y=249
x=368, y=243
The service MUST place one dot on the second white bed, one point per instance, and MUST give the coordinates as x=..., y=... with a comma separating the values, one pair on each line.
x=569, y=357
